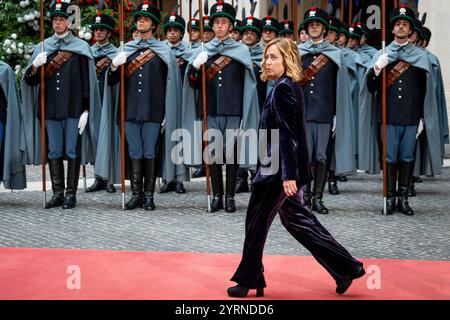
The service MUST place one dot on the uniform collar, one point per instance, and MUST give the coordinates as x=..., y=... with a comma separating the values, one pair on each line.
x=216, y=42
x=139, y=40
x=66, y=38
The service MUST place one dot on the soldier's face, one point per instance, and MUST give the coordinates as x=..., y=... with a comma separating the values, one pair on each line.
x=342, y=40
x=413, y=37
x=268, y=35
x=250, y=38
x=352, y=43
x=221, y=27
x=195, y=35
x=208, y=36
x=101, y=35
x=363, y=40
x=173, y=35
x=402, y=29
x=59, y=24
x=144, y=24
x=304, y=36
x=332, y=36
x=273, y=63
x=316, y=30
x=236, y=35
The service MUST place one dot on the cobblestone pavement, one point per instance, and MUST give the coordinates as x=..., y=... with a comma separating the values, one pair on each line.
x=181, y=222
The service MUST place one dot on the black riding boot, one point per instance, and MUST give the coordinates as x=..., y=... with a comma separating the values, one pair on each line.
x=56, y=167
x=149, y=184
x=320, y=176
x=230, y=187
x=332, y=183
x=73, y=175
x=136, y=184
x=217, y=187
x=404, y=179
x=391, y=179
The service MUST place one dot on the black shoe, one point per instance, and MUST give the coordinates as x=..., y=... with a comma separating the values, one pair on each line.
x=55, y=201
x=390, y=206
x=98, y=185
x=135, y=202
x=216, y=203
x=149, y=204
x=403, y=207
x=239, y=291
x=69, y=201
x=417, y=180
x=199, y=172
x=342, y=178
x=333, y=188
x=318, y=206
x=230, y=205
x=167, y=187
x=345, y=283
x=179, y=187
x=111, y=188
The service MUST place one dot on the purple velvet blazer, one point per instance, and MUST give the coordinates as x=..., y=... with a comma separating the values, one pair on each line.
x=285, y=110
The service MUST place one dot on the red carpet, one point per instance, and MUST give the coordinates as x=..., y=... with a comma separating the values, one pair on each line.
x=42, y=274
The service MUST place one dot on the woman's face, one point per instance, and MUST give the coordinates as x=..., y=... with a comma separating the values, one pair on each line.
x=274, y=63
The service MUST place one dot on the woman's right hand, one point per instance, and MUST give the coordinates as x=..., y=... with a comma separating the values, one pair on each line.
x=290, y=187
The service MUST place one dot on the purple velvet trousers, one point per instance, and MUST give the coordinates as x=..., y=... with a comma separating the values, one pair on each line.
x=265, y=202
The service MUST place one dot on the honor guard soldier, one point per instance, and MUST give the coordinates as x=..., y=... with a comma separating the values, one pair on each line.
x=134, y=32
x=329, y=113
x=343, y=35
x=252, y=30
x=236, y=33
x=194, y=33
x=287, y=29
x=72, y=106
x=367, y=52
x=12, y=171
x=195, y=43
x=231, y=100
x=271, y=27
x=174, y=27
x=302, y=34
x=152, y=102
x=410, y=109
x=103, y=51
x=208, y=32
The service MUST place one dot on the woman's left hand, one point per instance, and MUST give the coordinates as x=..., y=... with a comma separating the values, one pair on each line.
x=290, y=187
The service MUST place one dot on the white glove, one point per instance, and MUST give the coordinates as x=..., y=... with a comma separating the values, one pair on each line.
x=333, y=130
x=119, y=60
x=419, y=128
x=201, y=59
x=381, y=63
x=40, y=59
x=83, y=121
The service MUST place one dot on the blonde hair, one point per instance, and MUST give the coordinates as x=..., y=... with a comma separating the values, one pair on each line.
x=291, y=59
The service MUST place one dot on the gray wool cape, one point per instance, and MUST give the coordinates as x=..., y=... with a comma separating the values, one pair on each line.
x=250, y=117
x=31, y=142
x=368, y=126
x=12, y=167
x=109, y=160
x=344, y=148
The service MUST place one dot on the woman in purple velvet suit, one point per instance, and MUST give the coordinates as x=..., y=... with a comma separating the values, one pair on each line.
x=281, y=191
